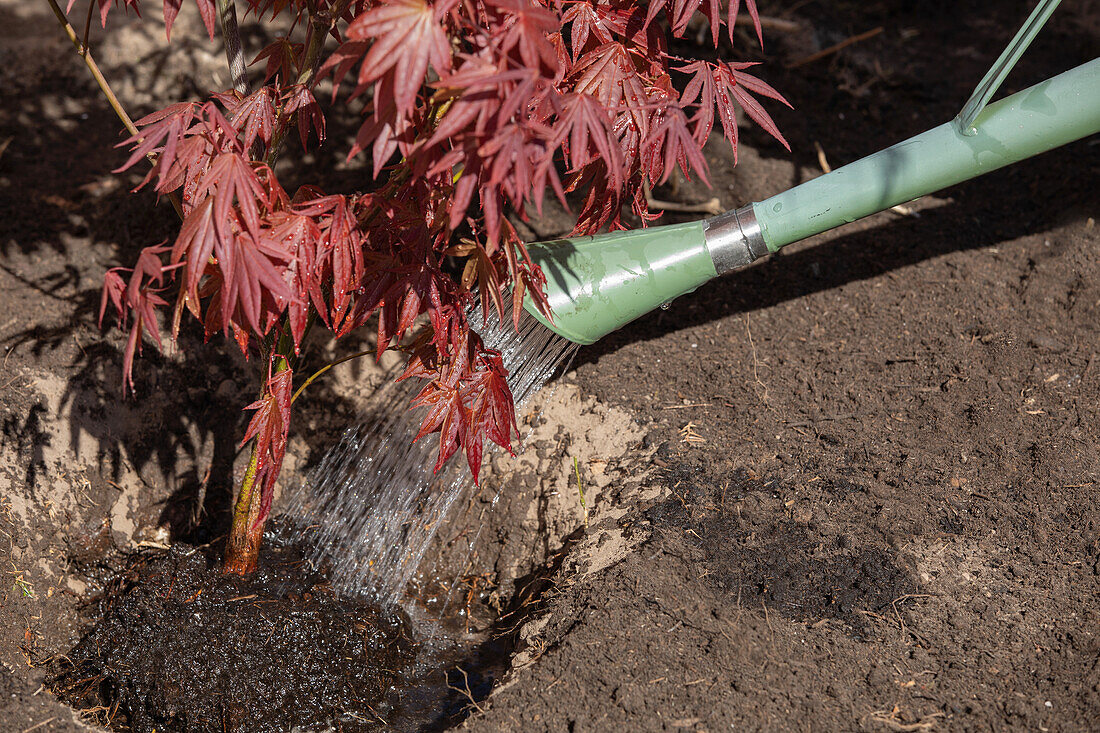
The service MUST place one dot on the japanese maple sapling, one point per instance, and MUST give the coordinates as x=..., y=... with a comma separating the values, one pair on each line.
x=472, y=110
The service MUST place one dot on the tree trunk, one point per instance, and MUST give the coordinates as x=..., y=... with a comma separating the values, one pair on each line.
x=242, y=552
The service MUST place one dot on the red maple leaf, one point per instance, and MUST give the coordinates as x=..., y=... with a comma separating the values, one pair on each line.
x=270, y=426
x=407, y=35
x=207, y=10
x=482, y=100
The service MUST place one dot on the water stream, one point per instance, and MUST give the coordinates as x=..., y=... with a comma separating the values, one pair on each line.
x=371, y=507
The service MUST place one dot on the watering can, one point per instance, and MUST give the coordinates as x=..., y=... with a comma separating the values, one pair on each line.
x=598, y=284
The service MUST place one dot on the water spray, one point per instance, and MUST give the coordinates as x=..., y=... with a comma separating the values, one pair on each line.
x=598, y=284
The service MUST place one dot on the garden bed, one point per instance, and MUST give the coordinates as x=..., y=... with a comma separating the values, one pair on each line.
x=853, y=486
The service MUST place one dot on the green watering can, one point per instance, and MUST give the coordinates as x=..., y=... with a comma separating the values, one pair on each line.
x=598, y=284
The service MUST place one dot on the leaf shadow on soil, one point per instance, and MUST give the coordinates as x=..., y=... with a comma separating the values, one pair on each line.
x=64, y=220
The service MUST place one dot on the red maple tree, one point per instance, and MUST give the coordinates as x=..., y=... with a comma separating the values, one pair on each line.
x=472, y=109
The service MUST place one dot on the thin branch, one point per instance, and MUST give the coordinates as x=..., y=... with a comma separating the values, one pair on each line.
x=324, y=369
x=104, y=87
x=712, y=206
x=231, y=37
x=834, y=48
x=770, y=24
x=87, y=27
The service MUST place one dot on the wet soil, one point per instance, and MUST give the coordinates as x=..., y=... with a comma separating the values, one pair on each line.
x=860, y=487
x=178, y=646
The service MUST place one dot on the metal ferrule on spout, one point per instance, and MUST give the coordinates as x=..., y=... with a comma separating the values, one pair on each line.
x=598, y=284
x=734, y=239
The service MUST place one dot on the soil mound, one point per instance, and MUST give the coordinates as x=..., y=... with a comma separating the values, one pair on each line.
x=181, y=647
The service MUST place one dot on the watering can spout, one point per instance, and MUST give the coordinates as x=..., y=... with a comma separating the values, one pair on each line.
x=597, y=284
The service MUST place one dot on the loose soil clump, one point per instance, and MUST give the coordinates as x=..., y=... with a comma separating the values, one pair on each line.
x=181, y=647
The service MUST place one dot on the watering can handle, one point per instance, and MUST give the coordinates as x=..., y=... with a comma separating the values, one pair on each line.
x=993, y=78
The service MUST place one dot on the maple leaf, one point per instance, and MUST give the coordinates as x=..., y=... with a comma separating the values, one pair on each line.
x=255, y=116
x=105, y=8
x=680, y=12
x=254, y=279
x=300, y=237
x=584, y=130
x=114, y=290
x=207, y=10
x=282, y=56
x=135, y=304
x=672, y=136
x=194, y=245
x=407, y=36
x=733, y=84
x=721, y=86
x=161, y=134
x=700, y=90
x=270, y=426
x=447, y=413
x=527, y=29
x=232, y=180
x=586, y=23
x=750, y=5
x=299, y=101
x=343, y=60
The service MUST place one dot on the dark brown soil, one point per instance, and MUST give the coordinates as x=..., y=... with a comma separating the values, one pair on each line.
x=878, y=449
x=874, y=456
x=182, y=647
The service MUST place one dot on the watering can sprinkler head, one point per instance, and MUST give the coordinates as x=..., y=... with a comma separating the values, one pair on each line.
x=597, y=284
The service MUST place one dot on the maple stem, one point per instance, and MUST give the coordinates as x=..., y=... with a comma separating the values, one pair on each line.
x=87, y=29
x=319, y=27
x=242, y=552
x=101, y=82
x=231, y=38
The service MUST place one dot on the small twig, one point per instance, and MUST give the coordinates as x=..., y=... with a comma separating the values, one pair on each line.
x=87, y=28
x=466, y=690
x=580, y=490
x=712, y=206
x=788, y=12
x=834, y=48
x=36, y=726
x=769, y=23
x=325, y=368
x=926, y=723
x=821, y=160
x=104, y=87
x=755, y=363
x=767, y=618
